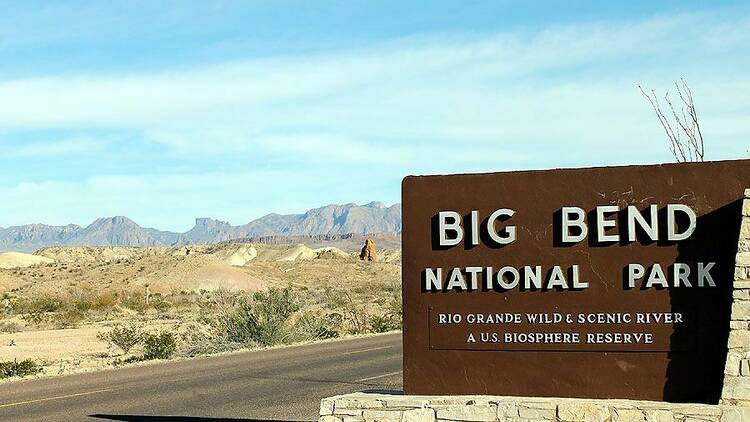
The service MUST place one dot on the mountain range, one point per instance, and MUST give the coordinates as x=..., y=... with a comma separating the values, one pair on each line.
x=374, y=217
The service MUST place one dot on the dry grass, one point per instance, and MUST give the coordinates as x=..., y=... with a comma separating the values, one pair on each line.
x=53, y=313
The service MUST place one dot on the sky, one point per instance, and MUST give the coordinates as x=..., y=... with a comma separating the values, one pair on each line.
x=170, y=110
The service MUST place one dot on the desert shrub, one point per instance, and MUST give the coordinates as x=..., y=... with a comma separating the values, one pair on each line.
x=199, y=338
x=67, y=319
x=273, y=310
x=134, y=301
x=10, y=327
x=186, y=300
x=360, y=290
x=314, y=325
x=129, y=359
x=239, y=323
x=123, y=337
x=392, y=319
x=393, y=302
x=85, y=302
x=82, y=304
x=384, y=323
x=159, y=346
x=39, y=304
x=222, y=297
x=15, y=368
x=265, y=318
x=161, y=305
x=35, y=317
x=355, y=315
x=105, y=300
x=79, y=298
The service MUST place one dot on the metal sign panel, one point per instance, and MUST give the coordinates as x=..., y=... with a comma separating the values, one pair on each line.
x=602, y=282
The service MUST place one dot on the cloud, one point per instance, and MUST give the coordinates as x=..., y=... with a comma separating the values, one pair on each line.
x=53, y=148
x=172, y=201
x=569, y=84
x=343, y=126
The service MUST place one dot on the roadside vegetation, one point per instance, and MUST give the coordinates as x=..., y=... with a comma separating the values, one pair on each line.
x=95, y=308
x=188, y=324
x=15, y=368
x=285, y=316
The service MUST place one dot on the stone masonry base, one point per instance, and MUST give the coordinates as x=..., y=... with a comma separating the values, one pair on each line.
x=366, y=407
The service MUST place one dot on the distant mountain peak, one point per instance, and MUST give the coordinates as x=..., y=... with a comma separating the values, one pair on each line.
x=332, y=219
x=209, y=222
x=116, y=220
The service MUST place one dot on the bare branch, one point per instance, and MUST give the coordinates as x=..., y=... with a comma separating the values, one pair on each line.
x=675, y=145
x=682, y=120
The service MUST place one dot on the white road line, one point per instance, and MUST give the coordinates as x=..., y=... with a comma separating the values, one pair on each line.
x=54, y=398
x=366, y=350
x=378, y=376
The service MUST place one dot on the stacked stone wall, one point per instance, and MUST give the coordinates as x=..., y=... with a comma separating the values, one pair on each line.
x=364, y=407
x=737, y=371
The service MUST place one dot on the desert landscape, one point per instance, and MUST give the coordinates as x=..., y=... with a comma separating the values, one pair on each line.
x=68, y=309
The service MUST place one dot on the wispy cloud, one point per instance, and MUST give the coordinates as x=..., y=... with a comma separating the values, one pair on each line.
x=493, y=88
x=237, y=197
x=560, y=96
x=60, y=147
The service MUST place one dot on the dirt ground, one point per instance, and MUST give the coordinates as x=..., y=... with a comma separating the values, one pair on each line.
x=64, y=351
x=53, y=310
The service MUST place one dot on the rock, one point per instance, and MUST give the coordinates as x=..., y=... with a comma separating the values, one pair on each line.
x=358, y=402
x=732, y=366
x=738, y=325
x=660, y=416
x=13, y=260
x=538, y=411
x=347, y=412
x=468, y=413
x=369, y=251
x=242, y=256
x=736, y=388
x=326, y=407
x=381, y=416
x=741, y=311
x=740, y=273
x=743, y=258
x=582, y=412
x=736, y=415
x=331, y=253
x=418, y=415
x=407, y=401
x=739, y=339
x=507, y=411
x=630, y=415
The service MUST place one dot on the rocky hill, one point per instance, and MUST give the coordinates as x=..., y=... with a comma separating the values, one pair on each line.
x=33, y=236
x=114, y=231
x=331, y=220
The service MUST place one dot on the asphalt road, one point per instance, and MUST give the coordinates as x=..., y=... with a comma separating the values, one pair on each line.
x=284, y=384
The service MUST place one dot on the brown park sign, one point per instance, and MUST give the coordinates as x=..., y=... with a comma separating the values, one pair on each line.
x=600, y=283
